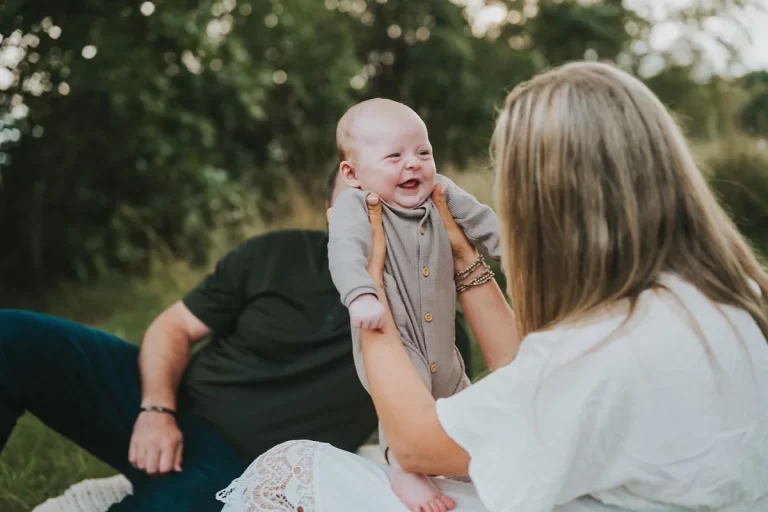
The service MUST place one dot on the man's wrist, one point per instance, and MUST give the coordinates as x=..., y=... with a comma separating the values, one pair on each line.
x=157, y=409
x=165, y=400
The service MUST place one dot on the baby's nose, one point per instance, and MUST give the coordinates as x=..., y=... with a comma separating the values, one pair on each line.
x=412, y=163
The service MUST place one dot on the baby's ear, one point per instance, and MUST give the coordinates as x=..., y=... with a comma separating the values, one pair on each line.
x=349, y=174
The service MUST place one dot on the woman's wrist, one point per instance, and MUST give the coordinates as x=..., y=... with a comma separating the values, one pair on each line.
x=465, y=259
x=476, y=273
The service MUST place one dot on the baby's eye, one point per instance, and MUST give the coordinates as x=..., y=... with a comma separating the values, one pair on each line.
x=425, y=152
x=394, y=155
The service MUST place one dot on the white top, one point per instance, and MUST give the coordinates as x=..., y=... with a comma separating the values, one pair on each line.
x=668, y=411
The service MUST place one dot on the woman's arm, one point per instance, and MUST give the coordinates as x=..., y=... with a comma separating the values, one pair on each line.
x=487, y=312
x=405, y=407
x=492, y=321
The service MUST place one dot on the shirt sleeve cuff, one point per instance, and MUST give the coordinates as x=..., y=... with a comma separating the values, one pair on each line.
x=362, y=290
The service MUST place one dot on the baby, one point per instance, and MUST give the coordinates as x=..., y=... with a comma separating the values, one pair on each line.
x=384, y=148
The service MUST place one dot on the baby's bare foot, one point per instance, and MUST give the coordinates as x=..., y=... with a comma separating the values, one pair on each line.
x=419, y=493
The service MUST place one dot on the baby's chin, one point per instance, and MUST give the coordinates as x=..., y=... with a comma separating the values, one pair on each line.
x=409, y=199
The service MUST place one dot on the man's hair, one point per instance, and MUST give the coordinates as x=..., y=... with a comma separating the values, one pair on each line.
x=330, y=181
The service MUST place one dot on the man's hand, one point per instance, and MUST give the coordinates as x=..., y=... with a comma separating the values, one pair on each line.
x=156, y=444
x=366, y=312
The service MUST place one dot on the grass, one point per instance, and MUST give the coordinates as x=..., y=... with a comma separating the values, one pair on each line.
x=38, y=464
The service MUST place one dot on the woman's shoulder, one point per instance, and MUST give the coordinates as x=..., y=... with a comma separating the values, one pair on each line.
x=669, y=302
x=667, y=319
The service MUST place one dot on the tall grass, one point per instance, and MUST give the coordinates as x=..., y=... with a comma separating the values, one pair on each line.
x=738, y=172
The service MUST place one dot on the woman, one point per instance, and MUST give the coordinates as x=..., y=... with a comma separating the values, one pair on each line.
x=641, y=382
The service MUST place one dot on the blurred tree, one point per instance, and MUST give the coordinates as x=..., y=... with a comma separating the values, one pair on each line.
x=142, y=124
x=754, y=114
x=677, y=88
x=572, y=30
x=108, y=135
x=133, y=123
x=425, y=55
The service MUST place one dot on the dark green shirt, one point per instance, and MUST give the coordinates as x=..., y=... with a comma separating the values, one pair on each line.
x=279, y=366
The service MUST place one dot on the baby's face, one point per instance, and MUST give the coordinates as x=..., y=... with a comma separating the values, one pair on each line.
x=393, y=158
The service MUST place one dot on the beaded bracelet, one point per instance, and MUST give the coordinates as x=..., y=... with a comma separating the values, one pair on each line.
x=458, y=276
x=481, y=279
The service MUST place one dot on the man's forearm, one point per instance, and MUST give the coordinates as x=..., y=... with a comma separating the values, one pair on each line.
x=163, y=357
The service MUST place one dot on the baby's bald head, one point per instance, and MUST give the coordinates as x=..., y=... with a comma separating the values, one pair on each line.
x=384, y=148
x=363, y=120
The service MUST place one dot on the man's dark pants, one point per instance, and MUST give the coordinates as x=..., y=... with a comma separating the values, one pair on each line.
x=84, y=384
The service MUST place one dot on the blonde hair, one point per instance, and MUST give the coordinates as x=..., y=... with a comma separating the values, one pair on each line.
x=599, y=195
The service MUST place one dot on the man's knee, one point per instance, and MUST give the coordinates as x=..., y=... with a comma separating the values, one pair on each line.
x=23, y=333
x=16, y=328
x=11, y=322
x=28, y=333
x=19, y=326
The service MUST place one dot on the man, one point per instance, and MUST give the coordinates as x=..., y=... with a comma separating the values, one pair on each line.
x=279, y=366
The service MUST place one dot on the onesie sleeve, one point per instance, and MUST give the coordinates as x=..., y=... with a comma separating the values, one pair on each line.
x=349, y=246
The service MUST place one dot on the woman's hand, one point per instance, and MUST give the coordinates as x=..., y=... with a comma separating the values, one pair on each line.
x=378, y=242
x=464, y=253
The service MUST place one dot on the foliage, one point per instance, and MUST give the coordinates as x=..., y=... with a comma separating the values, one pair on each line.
x=754, y=114
x=739, y=174
x=131, y=125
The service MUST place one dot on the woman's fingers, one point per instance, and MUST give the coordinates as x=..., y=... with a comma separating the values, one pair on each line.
x=379, y=243
x=460, y=245
x=438, y=197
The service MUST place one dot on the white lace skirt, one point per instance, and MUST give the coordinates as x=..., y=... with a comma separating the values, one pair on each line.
x=304, y=476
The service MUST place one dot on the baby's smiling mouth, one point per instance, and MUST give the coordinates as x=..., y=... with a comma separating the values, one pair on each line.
x=410, y=184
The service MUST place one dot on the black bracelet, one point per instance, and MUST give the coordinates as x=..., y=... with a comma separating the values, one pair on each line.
x=154, y=408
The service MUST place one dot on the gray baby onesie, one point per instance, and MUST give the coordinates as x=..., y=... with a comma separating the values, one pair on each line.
x=418, y=275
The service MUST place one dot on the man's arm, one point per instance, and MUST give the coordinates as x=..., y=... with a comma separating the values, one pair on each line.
x=157, y=443
x=165, y=352
x=478, y=221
